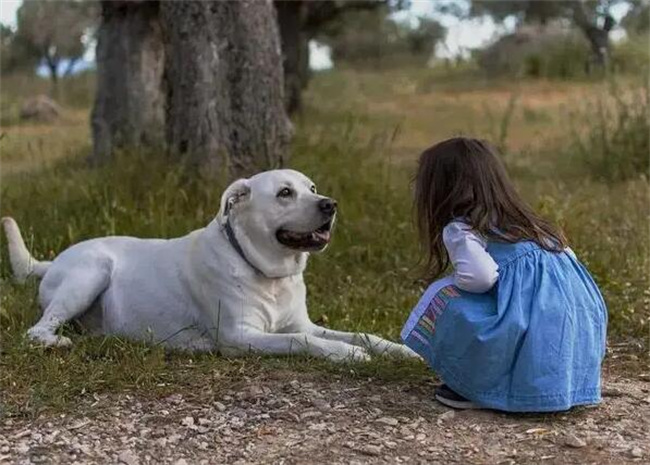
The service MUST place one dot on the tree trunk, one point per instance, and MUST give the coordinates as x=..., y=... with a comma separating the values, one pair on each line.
x=129, y=101
x=54, y=73
x=598, y=37
x=52, y=63
x=53, y=66
x=224, y=85
x=295, y=51
x=305, y=70
x=599, y=41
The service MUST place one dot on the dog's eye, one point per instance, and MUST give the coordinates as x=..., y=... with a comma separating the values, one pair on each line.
x=284, y=193
x=313, y=189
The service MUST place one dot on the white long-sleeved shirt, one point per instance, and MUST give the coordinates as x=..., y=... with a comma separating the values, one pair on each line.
x=474, y=269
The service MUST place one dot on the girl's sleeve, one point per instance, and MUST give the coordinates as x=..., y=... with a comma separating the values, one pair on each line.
x=474, y=269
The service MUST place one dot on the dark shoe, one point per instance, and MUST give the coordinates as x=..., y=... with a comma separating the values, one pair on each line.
x=447, y=397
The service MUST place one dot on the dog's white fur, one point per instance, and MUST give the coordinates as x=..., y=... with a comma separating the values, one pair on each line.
x=197, y=292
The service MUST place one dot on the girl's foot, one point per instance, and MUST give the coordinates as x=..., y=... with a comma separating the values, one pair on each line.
x=447, y=397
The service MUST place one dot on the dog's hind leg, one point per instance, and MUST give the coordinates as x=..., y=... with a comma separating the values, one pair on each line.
x=73, y=296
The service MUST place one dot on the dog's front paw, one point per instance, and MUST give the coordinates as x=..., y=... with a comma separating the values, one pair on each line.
x=359, y=354
x=401, y=351
x=354, y=354
x=48, y=339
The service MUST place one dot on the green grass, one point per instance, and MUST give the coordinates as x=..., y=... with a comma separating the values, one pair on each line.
x=358, y=140
x=35, y=380
x=617, y=145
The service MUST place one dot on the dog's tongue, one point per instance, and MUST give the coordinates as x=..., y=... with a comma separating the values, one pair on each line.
x=322, y=235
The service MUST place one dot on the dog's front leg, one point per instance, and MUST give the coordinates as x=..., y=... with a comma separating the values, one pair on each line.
x=292, y=343
x=374, y=344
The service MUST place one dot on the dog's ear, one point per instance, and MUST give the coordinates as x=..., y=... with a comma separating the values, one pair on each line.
x=236, y=193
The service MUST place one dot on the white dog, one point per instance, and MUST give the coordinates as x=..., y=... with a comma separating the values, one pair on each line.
x=232, y=287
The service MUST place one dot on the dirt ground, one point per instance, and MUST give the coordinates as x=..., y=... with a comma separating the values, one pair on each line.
x=308, y=419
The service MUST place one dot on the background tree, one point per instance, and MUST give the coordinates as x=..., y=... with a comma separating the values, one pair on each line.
x=637, y=20
x=224, y=85
x=299, y=22
x=294, y=39
x=13, y=54
x=372, y=38
x=129, y=100
x=423, y=38
x=53, y=30
x=596, y=22
x=592, y=17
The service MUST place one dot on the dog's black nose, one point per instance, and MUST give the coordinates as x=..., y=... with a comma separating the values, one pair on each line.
x=327, y=206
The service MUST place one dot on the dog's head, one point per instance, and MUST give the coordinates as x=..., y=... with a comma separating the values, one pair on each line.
x=278, y=218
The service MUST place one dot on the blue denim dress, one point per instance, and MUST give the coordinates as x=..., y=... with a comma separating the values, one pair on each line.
x=533, y=343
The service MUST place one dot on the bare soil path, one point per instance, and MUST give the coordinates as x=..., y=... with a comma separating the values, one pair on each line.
x=293, y=418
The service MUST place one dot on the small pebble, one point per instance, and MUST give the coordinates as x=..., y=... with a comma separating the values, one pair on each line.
x=447, y=415
x=636, y=452
x=219, y=406
x=388, y=421
x=574, y=441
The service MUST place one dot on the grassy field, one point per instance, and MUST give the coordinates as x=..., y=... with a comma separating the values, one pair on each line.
x=578, y=152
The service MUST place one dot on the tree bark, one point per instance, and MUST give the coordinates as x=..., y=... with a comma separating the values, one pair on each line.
x=224, y=85
x=129, y=101
x=295, y=51
x=599, y=40
x=598, y=37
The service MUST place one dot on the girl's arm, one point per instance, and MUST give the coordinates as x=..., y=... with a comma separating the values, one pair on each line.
x=474, y=269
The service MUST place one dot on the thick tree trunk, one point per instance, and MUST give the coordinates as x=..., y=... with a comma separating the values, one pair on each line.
x=224, y=84
x=295, y=50
x=129, y=101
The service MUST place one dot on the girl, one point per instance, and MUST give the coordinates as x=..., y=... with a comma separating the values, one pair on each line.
x=520, y=324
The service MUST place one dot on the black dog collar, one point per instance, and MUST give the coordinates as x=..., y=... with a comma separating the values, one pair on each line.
x=235, y=244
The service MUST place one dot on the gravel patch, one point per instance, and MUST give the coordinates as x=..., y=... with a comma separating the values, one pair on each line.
x=328, y=421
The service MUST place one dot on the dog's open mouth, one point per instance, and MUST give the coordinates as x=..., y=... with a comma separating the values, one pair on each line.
x=314, y=240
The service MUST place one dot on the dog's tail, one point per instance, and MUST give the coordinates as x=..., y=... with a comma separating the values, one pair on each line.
x=22, y=262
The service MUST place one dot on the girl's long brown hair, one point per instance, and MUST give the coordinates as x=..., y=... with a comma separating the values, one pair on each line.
x=464, y=179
